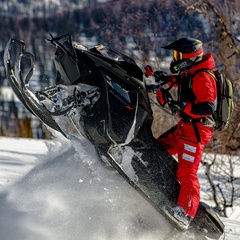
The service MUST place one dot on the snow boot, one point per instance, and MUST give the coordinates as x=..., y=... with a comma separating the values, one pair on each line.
x=178, y=216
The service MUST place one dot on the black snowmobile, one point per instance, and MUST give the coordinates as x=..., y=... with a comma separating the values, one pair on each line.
x=100, y=93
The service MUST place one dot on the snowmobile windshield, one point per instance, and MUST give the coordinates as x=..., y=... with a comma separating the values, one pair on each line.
x=70, y=68
x=110, y=53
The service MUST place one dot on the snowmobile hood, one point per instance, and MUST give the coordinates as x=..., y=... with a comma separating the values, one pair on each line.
x=78, y=64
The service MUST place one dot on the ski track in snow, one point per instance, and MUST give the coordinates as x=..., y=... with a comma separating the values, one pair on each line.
x=61, y=190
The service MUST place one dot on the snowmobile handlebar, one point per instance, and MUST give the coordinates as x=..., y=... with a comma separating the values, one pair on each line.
x=153, y=88
x=161, y=78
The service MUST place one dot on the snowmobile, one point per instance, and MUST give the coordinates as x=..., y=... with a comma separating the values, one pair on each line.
x=101, y=94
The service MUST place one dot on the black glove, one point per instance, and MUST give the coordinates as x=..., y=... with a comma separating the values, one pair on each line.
x=176, y=106
x=161, y=76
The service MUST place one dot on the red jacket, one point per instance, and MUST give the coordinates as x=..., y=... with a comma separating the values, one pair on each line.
x=202, y=88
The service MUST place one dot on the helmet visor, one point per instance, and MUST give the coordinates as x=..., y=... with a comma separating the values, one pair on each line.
x=177, y=55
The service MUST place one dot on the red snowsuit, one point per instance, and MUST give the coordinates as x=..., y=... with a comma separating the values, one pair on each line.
x=186, y=140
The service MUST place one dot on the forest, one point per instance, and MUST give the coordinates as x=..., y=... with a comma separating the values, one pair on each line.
x=139, y=29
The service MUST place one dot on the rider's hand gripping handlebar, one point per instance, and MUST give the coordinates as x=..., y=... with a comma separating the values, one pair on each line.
x=163, y=96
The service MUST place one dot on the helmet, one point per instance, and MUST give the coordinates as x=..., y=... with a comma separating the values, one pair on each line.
x=186, y=52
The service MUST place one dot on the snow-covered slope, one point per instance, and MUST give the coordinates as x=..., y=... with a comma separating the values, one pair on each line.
x=59, y=190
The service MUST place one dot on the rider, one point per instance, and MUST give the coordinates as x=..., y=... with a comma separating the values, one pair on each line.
x=195, y=106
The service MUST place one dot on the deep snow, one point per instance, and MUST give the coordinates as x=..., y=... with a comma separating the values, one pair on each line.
x=61, y=190
x=68, y=195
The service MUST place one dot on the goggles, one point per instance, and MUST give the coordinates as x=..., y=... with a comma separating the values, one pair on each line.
x=177, y=56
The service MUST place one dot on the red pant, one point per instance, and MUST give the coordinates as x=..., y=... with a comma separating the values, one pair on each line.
x=182, y=140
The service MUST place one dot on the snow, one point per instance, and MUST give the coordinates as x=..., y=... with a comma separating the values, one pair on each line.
x=51, y=191
x=60, y=190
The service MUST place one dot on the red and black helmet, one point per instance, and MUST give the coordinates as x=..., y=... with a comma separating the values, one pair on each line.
x=186, y=52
